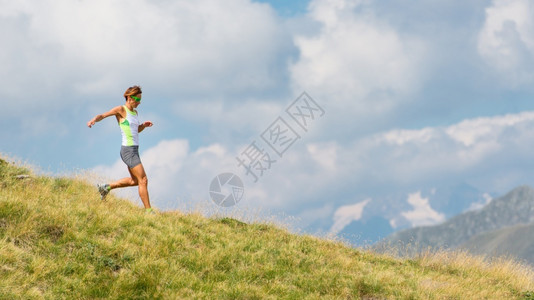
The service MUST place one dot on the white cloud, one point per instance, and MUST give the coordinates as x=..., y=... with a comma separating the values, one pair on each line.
x=205, y=47
x=474, y=131
x=506, y=40
x=215, y=65
x=422, y=214
x=346, y=214
x=324, y=155
x=401, y=137
x=231, y=121
x=357, y=59
x=456, y=148
x=479, y=205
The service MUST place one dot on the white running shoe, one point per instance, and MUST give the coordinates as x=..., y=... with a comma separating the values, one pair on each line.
x=103, y=189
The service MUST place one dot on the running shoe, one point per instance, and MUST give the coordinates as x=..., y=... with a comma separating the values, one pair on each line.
x=103, y=189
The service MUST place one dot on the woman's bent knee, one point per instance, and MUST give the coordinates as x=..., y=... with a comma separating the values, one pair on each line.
x=143, y=181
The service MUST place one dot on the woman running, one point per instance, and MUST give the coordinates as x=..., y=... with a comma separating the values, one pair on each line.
x=130, y=126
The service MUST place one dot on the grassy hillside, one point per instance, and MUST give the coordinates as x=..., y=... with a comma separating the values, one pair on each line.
x=58, y=240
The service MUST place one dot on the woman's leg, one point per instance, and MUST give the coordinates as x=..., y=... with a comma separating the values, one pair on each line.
x=124, y=182
x=139, y=176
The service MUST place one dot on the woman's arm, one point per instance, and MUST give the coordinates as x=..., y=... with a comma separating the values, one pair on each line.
x=116, y=111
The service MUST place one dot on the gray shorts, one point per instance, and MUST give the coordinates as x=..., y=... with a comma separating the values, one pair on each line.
x=130, y=156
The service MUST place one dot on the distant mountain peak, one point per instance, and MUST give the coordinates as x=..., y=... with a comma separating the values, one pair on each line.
x=520, y=190
x=514, y=208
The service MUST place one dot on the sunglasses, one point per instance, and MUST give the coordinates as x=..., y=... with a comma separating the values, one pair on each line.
x=137, y=99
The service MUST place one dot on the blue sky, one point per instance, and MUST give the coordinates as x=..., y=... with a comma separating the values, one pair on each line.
x=417, y=99
x=288, y=8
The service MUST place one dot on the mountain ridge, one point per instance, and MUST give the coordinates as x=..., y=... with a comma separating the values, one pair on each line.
x=512, y=209
x=515, y=242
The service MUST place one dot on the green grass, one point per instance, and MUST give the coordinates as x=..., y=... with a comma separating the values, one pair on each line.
x=59, y=241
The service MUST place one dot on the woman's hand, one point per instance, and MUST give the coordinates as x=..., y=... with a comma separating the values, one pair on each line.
x=94, y=120
x=116, y=111
x=145, y=125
